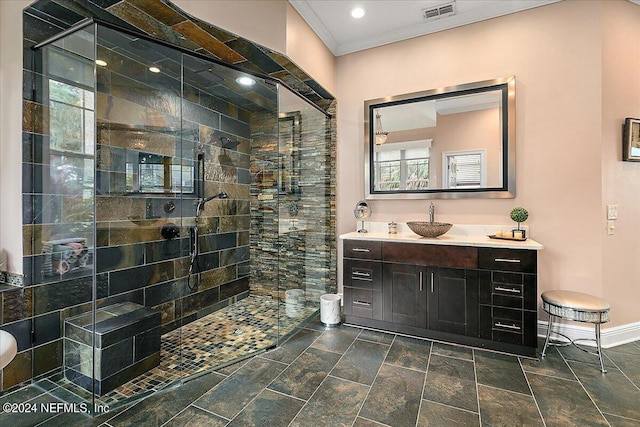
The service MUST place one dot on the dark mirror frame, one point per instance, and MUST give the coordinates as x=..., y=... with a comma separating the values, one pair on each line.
x=507, y=86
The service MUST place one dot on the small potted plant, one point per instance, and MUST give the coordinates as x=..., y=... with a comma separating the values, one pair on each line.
x=519, y=215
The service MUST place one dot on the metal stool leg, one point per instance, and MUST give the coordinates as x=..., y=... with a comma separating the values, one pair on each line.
x=546, y=341
x=604, y=371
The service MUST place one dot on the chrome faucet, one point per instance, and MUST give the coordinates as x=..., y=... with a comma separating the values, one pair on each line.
x=432, y=212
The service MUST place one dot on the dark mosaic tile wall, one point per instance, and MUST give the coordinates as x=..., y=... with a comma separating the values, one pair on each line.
x=291, y=211
x=133, y=264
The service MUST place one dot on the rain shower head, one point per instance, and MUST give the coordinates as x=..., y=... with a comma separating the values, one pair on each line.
x=228, y=143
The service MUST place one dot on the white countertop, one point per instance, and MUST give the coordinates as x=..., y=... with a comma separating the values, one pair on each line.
x=459, y=235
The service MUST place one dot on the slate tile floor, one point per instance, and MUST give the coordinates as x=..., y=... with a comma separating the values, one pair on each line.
x=347, y=376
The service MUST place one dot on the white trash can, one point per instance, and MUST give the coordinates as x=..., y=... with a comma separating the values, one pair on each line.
x=330, y=309
x=294, y=302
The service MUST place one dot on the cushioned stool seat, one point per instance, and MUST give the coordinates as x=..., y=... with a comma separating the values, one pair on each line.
x=579, y=307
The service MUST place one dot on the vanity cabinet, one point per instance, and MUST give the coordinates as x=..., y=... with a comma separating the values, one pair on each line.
x=478, y=296
x=508, y=296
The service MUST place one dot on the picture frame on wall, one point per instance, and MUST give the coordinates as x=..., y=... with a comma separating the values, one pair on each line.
x=631, y=140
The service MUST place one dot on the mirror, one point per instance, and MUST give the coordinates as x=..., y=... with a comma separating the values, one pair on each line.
x=446, y=143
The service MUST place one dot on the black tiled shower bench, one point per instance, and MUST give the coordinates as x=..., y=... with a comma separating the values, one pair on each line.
x=127, y=342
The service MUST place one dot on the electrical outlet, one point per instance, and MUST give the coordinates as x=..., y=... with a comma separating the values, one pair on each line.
x=612, y=212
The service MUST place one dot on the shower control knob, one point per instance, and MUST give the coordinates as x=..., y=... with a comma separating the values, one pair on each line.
x=170, y=231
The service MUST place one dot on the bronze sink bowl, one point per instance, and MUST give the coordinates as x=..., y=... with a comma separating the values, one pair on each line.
x=429, y=229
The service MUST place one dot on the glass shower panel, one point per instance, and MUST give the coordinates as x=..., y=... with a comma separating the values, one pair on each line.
x=180, y=215
x=304, y=196
x=63, y=211
x=144, y=180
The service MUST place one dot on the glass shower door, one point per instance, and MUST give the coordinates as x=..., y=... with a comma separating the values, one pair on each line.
x=304, y=223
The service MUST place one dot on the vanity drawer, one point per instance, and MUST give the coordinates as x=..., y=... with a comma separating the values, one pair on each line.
x=508, y=325
x=363, y=303
x=430, y=255
x=363, y=274
x=519, y=260
x=506, y=289
x=362, y=249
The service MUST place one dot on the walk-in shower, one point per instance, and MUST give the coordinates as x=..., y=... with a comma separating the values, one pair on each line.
x=193, y=202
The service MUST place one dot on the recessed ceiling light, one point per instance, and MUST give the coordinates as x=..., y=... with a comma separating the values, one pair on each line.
x=101, y=63
x=245, y=81
x=154, y=69
x=357, y=12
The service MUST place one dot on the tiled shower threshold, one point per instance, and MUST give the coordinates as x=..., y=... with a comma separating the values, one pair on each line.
x=226, y=336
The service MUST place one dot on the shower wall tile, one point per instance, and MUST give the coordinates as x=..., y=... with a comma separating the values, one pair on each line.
x=119, y=208
x=207, y=261
x=47, y=357
x=217, y=277
x=235, y=127
x=47, y=328
x=35, y=118
x=255, y=55
x=236, y=287
x=234, y=256
x=16, y=305
x=130, y=279
x=149, y=25
x=198, y=301
x=166, y=250
x=208, y=42
x=18, y=371
x=21, y=331
x=119, y=257
x=158, y=10
x=58, y=295
x=163, y=292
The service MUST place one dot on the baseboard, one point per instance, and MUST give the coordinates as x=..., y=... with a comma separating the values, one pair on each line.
x=610, y=337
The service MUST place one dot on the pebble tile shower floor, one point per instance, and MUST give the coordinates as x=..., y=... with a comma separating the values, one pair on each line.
x=347, y=376
x=237, y=331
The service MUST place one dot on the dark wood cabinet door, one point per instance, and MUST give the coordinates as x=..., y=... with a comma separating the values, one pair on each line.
x=453, y=300
x=404, y=294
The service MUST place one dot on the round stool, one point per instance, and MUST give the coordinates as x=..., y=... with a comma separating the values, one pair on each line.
x=579, y=307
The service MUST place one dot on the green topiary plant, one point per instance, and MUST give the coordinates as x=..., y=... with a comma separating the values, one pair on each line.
x=519, y=215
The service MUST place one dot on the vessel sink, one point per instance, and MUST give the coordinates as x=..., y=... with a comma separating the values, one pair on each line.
x=429, y=229
x=8, y=348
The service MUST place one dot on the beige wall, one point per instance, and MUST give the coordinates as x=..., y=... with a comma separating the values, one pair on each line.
x=307, y=51
x=11, y=134
x=556, y=54
x=620, y=180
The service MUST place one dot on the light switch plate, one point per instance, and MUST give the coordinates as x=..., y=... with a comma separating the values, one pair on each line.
x=612, y=212
x=611, y=227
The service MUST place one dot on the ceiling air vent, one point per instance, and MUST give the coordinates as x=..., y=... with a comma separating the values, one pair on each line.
x=441, y=11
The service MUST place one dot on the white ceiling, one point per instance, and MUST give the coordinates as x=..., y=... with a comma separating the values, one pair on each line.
x=388, y=21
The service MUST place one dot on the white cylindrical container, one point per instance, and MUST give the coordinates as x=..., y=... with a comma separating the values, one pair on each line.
x=294, y=302
x=330, y=309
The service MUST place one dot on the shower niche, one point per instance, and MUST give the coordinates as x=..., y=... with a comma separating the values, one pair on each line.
x=136, y=135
